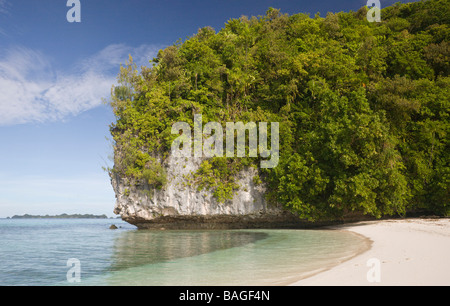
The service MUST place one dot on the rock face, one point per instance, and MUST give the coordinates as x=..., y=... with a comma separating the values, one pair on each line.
x=180, y=206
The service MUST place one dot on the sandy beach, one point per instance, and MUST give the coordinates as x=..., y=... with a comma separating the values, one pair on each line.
x=406, y=252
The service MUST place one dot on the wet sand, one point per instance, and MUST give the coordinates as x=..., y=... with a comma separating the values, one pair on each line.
x=405, y=252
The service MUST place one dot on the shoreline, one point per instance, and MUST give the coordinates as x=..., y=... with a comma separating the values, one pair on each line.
x=403, y=252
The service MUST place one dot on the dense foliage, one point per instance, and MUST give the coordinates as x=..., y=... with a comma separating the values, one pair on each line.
x=363, y=107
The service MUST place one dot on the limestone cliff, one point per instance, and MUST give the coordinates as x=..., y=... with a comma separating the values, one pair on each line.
x=181, y=205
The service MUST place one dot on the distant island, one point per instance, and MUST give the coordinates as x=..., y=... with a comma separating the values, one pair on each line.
x=62, y=216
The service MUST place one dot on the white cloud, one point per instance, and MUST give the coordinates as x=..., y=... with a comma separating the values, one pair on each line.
x=31, y=91
x=116, y=54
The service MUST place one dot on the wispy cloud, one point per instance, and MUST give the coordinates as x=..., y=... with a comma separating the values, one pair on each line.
x=32, y=91
x=4, y=10
x=3, y=6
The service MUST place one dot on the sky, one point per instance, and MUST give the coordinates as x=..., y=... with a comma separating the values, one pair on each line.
x=54, y=75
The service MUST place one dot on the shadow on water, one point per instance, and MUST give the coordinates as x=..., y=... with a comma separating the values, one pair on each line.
x=136, y=248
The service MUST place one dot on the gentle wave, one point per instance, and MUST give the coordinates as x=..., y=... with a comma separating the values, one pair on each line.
x=35, y=252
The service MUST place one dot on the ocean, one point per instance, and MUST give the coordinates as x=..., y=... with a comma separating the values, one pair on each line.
x=73, y=252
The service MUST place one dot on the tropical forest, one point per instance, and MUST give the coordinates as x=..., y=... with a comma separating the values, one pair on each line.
x=363, y=108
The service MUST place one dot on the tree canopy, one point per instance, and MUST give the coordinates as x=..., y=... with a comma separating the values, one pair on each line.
x=363, y=107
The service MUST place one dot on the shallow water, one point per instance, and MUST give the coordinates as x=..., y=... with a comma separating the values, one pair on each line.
x=36, y=251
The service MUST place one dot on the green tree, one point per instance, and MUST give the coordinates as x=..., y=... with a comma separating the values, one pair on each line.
x=363, y=108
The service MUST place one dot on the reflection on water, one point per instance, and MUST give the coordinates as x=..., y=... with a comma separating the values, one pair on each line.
x=36, y=252
x=136, y=248
x=228, y=257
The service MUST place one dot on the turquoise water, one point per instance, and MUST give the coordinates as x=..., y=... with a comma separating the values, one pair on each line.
x=36, y=252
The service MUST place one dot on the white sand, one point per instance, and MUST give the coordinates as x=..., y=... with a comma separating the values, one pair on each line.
x=409, y=252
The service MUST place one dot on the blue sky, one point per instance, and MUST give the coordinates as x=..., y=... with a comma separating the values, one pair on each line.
x=54, y=74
